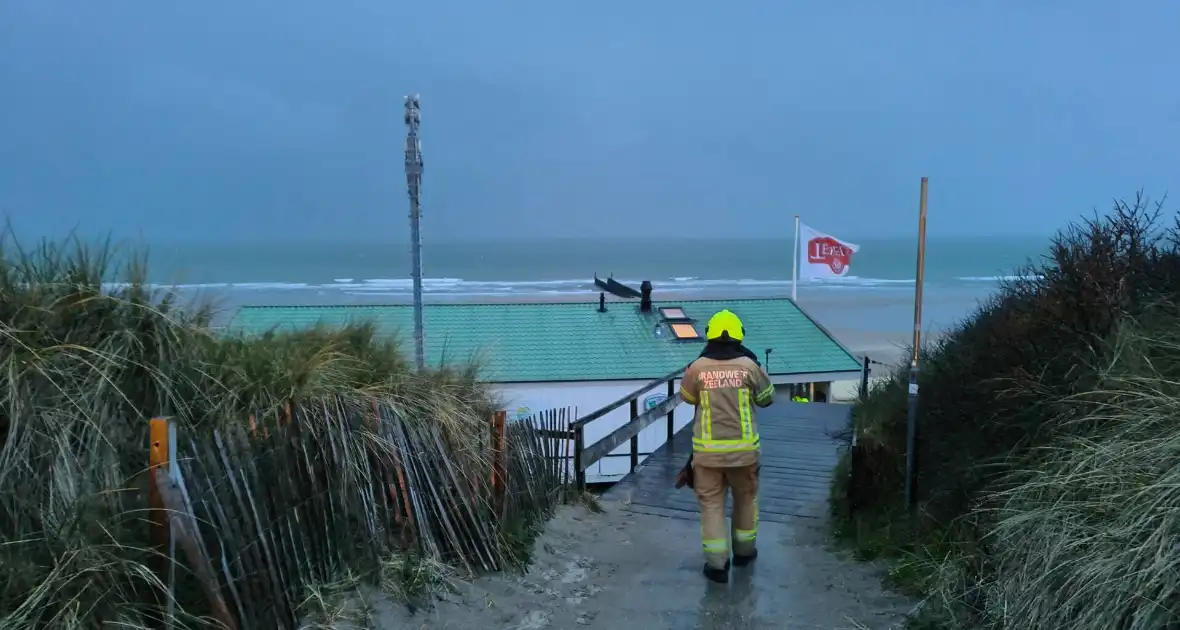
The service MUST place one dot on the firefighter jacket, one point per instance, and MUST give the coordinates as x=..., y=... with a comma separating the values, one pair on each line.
x=725, y=392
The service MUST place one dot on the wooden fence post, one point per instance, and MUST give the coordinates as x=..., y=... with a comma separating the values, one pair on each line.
x=499, y=429
x=569, y=448
x=159, y=534
x=172, y=524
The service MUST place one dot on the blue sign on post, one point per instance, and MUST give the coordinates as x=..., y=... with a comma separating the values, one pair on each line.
x=653, y=401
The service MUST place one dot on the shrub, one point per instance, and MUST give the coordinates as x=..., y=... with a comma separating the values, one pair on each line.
x=1082, y=532
x=993, y=398
x=89, y=351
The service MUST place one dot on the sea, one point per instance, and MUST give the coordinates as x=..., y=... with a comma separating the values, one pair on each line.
x=878, y=294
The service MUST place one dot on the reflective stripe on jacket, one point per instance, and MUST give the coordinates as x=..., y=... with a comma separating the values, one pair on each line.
x=725, y=392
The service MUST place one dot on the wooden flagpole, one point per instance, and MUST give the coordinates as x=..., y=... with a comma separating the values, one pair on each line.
x=795, y=265
x=912, y=411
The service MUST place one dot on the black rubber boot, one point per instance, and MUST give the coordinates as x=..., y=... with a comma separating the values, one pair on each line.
x=721, y=576
x=741, y=561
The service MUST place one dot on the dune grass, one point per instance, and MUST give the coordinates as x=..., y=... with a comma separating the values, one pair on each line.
x=1047, y=456
x=84, y=364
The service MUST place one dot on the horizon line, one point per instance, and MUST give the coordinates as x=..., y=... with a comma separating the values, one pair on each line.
x=272, y=241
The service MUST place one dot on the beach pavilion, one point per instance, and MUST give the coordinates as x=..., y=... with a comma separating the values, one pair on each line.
x=544, y=355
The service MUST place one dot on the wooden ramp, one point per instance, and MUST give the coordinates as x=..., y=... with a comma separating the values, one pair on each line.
x=798, y=455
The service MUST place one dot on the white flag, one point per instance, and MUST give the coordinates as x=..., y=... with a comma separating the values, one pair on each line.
x=823, y=256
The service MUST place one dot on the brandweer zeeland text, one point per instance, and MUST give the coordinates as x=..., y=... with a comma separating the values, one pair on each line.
x=722, y=379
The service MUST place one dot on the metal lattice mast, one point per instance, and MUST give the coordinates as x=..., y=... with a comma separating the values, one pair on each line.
x=414, y=181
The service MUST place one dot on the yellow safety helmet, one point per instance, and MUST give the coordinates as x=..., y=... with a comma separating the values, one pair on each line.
x=722, y=323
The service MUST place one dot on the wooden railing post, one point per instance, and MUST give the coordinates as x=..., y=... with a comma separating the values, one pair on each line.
x=634, y=438
x=671, y=421
x=579, y=446
x=864, y=380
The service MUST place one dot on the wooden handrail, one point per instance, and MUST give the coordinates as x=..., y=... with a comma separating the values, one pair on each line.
x=601, y=448
x=587, y=419
x=587, y=456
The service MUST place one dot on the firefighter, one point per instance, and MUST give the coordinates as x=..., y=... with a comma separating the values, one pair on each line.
x=798, y=394
x=724, y=384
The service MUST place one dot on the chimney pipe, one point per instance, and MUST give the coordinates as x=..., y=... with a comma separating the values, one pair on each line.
x=645, y=296
x=602, y=302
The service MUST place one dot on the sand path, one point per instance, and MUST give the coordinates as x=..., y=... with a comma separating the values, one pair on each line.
x=620, y=570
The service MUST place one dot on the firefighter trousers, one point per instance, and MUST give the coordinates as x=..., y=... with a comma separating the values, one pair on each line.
x=711, y=485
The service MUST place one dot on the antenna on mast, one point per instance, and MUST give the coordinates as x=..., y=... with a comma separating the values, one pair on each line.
x=414, y=182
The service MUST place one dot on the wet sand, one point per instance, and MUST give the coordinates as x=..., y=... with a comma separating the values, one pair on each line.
x=620, y=570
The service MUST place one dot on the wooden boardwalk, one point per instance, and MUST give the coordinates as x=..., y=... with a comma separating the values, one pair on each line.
x=798, y=456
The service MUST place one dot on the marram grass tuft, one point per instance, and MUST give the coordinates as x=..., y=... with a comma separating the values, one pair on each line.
x=308, y=457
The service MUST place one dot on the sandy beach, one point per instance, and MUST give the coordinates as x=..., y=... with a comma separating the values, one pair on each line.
x=881, y=347
x=873, y=326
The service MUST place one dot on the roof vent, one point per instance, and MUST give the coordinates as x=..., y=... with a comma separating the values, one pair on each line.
x=601, y=302
x=645, y=296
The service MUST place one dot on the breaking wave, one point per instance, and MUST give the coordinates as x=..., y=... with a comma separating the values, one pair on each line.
x=458, y=287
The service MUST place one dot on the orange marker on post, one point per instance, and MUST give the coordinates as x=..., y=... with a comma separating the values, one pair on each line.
x=160, y=534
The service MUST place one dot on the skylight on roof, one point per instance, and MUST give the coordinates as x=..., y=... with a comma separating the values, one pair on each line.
x=684, y=331
x=672, y=313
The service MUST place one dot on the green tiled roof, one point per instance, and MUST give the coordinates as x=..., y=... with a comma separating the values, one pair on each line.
x=528, y=342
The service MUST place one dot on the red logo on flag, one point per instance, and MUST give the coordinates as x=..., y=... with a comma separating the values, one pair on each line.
x=828, y=251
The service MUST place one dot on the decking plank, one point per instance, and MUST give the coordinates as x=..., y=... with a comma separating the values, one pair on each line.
x=798, y=456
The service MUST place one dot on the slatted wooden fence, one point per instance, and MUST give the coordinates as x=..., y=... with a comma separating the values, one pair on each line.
x=258, y=512
x=540, y=464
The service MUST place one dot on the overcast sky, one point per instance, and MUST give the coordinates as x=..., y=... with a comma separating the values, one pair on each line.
x=198, y=120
